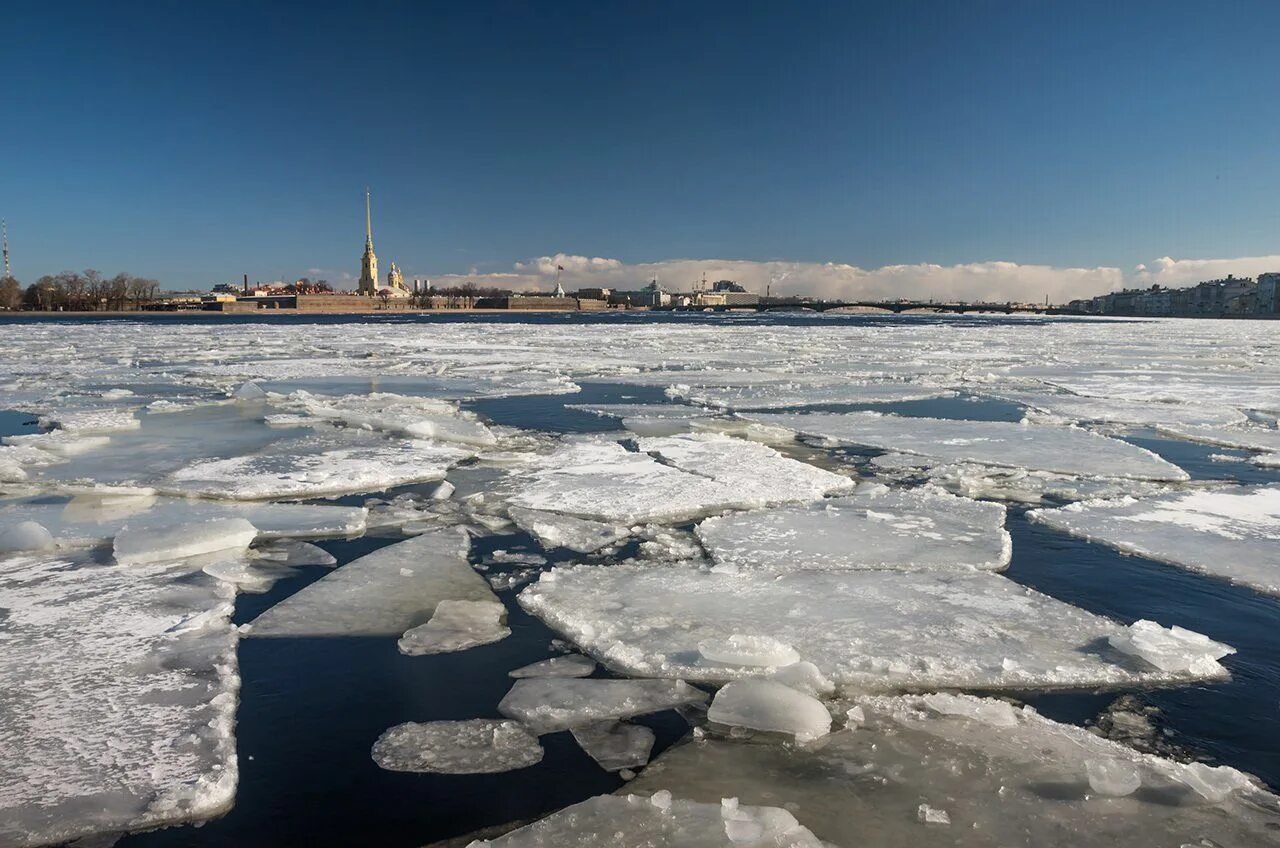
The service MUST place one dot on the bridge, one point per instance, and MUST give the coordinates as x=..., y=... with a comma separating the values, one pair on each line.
x=796, y=304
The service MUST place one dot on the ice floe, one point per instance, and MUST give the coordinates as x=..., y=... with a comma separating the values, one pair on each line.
x=615, y=745
x=553, y=530
x=477, y=746
x=871, y=630
x=383, y=593
x=456, y=626
x=1082, y=410
x=770, y=706
x=547, y=704
x=876, y=527
x=570, y=665
x=118, y=688
x=410, y=417
x=1232, y=532
x=218, y=535
x=781, y=395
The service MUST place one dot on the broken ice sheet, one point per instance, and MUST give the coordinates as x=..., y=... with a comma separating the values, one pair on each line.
x=477, y=746
x=1075, y=408
x=615, y=745
x=633, y=821
x=770, y=706
x=876, y=527
x=118, y=689
x=553, y=530
x=671, y=411
x=1232, y=532
x=805, y=393
x=1246, y=438
x=1020, y=781
x=548, y=704
x=757, y=472
x=383, y=593
x=135, y=545
x=410, y=417
x=873, y=630
x=456, y=626
x=571, y=665
x=1037, y=447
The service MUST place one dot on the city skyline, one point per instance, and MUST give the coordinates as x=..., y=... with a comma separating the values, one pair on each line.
x=852, y=151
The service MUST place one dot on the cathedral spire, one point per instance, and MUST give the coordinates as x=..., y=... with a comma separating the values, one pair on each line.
x=368, y=221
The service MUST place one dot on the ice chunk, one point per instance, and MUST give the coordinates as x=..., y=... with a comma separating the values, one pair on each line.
x=748, y=650
x=632, y=821
x=564, y=531
x=290, y=554
x=550, y=704
x=1113, y=778
x=1151, y=413
x=25, y=536
x=770, y=706
x=882, y=630
x=372, y=596
x=478, y=746
x=245, y=575
x=985, y=710
x=805, y=677
x=1247, y=438
x=1027, y=784
x=1213, y=783
x=806, y=393
x=932, y=815
x=249, y=391
x=1228, y=532
x=118, y=690
x=648, y=411
x=874, y=528
x=1171, y=649
x=91, y=420
x=757, y=472
x=571, y=665
x=411, y=417
x=298, y=469
x=1065, y=450
x=615, y=745
x=456, y=626
x=218, y=535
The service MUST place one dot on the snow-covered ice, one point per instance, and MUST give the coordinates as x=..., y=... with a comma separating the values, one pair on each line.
x=548, y=704
x=876, y=527
x=383, y=593
x=660, y=821
x=1232, y=532
x=870, y=630
x=476, y=746
x=553, y=530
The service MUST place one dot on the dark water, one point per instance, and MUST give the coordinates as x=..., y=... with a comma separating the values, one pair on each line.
x=311, y=708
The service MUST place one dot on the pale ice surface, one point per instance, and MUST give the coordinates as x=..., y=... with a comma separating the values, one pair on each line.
x=1040, y=447
x=25, y=536
x=89, y=519
x=770, y=706
x=1022, y=781
x=553, y=530
x=1078, y=409
x=748, y=650
x=157, y=544
x=456, y=626
x=547, y=704
x=757, y=472
x=615, y=745
x=876, y=527
x=1248, y=438
x=648, y=411
x=570, y=665
x=660, y=821
x=118, y=688
x=781, y=395
x=873, y=630
x=477, y=746
x=383, y=593
x=1232, y=532
x=410, y=417
x=1173, y=649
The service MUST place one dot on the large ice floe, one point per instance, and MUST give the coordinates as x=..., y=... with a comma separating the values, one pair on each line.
x=548, y=704
x=782, y=395
x=876, y=527
x=1231, y=532
x=997, y=774
x=118, y=688
x=869, y=630
x=385, y=593
x=410, y=417
x=1082, y=410
x=1064, y=450
x=660, y=821
x=476, y=746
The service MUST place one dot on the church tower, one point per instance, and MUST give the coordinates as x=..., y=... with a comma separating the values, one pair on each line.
x=369, y=262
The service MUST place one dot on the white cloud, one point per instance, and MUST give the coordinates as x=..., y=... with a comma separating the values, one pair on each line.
x=1179, y=272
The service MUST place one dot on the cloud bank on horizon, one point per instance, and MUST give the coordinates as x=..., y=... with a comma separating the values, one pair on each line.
x=994, y=281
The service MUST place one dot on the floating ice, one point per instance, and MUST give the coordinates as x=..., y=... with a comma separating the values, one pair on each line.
x=549, y=704
x=985, y=710
x=615, y=745
x=571, y=665
x=932, y=815
x=654, y=411
x=81, y=421
x=1246, y=438
x=118, y=690
x=218, y=535
x=632, y=821
x=565, y=531
x=781, y=395
x=303, y=468
x=1079, y=409
x=1231, y=532
x=411, y=417
x=456, y=626
x=874, y=528
x=478, y=746
x=374, y=596
x=747, y=650
x=879, y=630
x=1172, y=649
x=1030, y=783
x=1064, y=450
x=770, y=706
x=25, y=536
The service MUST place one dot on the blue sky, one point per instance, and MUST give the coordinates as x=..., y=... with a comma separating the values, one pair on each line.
x=196, y=142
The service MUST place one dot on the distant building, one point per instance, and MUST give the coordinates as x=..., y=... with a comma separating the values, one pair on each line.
x=1268, y=302
x=368, y=284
